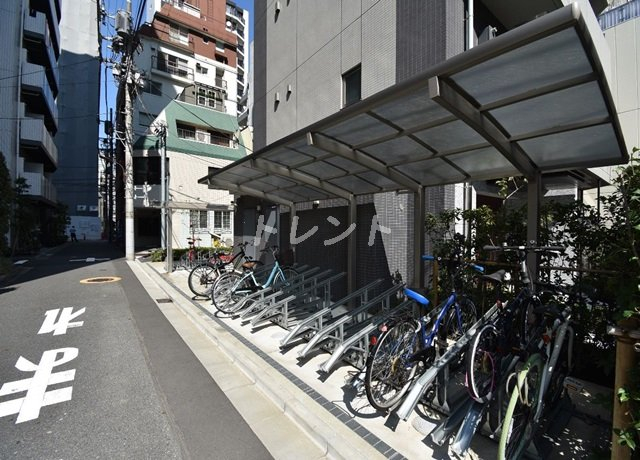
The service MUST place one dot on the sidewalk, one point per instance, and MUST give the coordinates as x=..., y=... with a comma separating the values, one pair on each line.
x=339, y=422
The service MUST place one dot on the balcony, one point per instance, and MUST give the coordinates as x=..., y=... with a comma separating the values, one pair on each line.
x=162, y=65
x=40, y=186
x=206, y=138
x=37, y=94
x=36, y=143
x=183, y=6
x=51, y=10
x=36, y=29
x=235, y=14
x=220, y=83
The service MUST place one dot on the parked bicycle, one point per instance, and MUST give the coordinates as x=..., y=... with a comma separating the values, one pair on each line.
x=189, y=259
x=498, y=345
x=408, y=348
x=229, y=288
x=203, y=275
x=539, y=384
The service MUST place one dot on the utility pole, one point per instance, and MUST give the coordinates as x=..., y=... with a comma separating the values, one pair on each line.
x=126, y=44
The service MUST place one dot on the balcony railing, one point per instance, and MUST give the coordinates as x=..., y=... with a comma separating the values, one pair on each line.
x=33, y=132
x=34, y=78
x=164, y=65
x=235, y=13
x=206, y=138
x=37, y=27
x=184, y=6
x=619, y=15
x=40, y=186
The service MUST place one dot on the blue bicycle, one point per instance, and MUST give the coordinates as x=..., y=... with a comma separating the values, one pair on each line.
x=229, y=288
x=406, y=349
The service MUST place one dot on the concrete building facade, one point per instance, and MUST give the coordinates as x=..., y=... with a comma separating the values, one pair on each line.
x=49, y=99
x=193, y=58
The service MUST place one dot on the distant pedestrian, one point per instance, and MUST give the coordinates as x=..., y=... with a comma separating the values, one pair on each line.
x=72, y=232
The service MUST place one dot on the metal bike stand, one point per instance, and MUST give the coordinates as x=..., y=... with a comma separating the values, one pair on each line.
x=356, y=340
x=317, y=321
x=333, y=333
x=255, y=299
x=428, y=378
x=256, y=303
x=308, y=301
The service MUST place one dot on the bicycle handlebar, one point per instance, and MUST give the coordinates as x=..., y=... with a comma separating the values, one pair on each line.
x=524, y=248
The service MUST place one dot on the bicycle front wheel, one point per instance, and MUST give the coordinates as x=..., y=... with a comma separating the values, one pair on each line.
x=223, y=295
x=456, y=325
x=201, y=279
x=389, y=368
x=517, y=427
x=284, y=279
x=481, y=363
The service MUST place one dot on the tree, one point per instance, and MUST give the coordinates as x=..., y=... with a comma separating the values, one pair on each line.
x=6, y=203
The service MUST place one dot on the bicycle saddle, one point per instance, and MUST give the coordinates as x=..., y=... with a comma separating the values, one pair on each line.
x=497, y=277
x=417, y=294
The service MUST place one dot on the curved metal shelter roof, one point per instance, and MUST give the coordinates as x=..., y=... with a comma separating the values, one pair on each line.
x=533, y=100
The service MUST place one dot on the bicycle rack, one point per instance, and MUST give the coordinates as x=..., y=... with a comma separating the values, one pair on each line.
x=357, y=339
x=308, y=300
x=296, y=287
x=257, y=301
x=259, y=296
x=426, y=380
x=318, y=320
x=334, y=333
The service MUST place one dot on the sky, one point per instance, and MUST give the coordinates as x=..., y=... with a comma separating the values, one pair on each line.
x=109, y=88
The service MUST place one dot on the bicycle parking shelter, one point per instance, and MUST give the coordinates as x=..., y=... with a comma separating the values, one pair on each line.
x=533, y=101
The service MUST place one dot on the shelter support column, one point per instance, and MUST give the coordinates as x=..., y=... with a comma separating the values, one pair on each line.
x=418, y=236
x=352, y=246
x=627, y=347
x=292, y=218
x=534, y=192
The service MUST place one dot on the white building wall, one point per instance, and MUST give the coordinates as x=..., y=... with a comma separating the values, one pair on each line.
x=624, y=43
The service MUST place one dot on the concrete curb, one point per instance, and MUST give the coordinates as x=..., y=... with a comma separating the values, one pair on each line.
x=335, y=439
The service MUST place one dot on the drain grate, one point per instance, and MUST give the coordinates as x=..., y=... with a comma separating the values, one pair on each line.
x=164, y=300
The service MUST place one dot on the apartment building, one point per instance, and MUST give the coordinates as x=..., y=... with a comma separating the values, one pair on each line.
x=49, y=98
x=193, y=57
x=346, y=51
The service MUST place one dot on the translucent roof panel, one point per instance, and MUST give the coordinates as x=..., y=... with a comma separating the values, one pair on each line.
x=398, y=150
x=450, y=136
x=534, y=100
x=565, y=107
x=543, y=62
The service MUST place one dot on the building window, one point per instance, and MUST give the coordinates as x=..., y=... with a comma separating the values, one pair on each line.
x=201, y=70
x=179, y=34
x=352, y=86
x=152, y=87
x=186, y=131
x=173, y=65
x=221, y=221
x=220, y=45
x=210, y=97
x=199, y=220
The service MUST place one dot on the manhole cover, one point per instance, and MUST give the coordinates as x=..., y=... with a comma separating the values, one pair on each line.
x=103, y=279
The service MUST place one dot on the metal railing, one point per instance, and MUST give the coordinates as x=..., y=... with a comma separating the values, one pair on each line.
x=162, y=64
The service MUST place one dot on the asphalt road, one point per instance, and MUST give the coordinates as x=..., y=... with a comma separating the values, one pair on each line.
x=90, y=368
